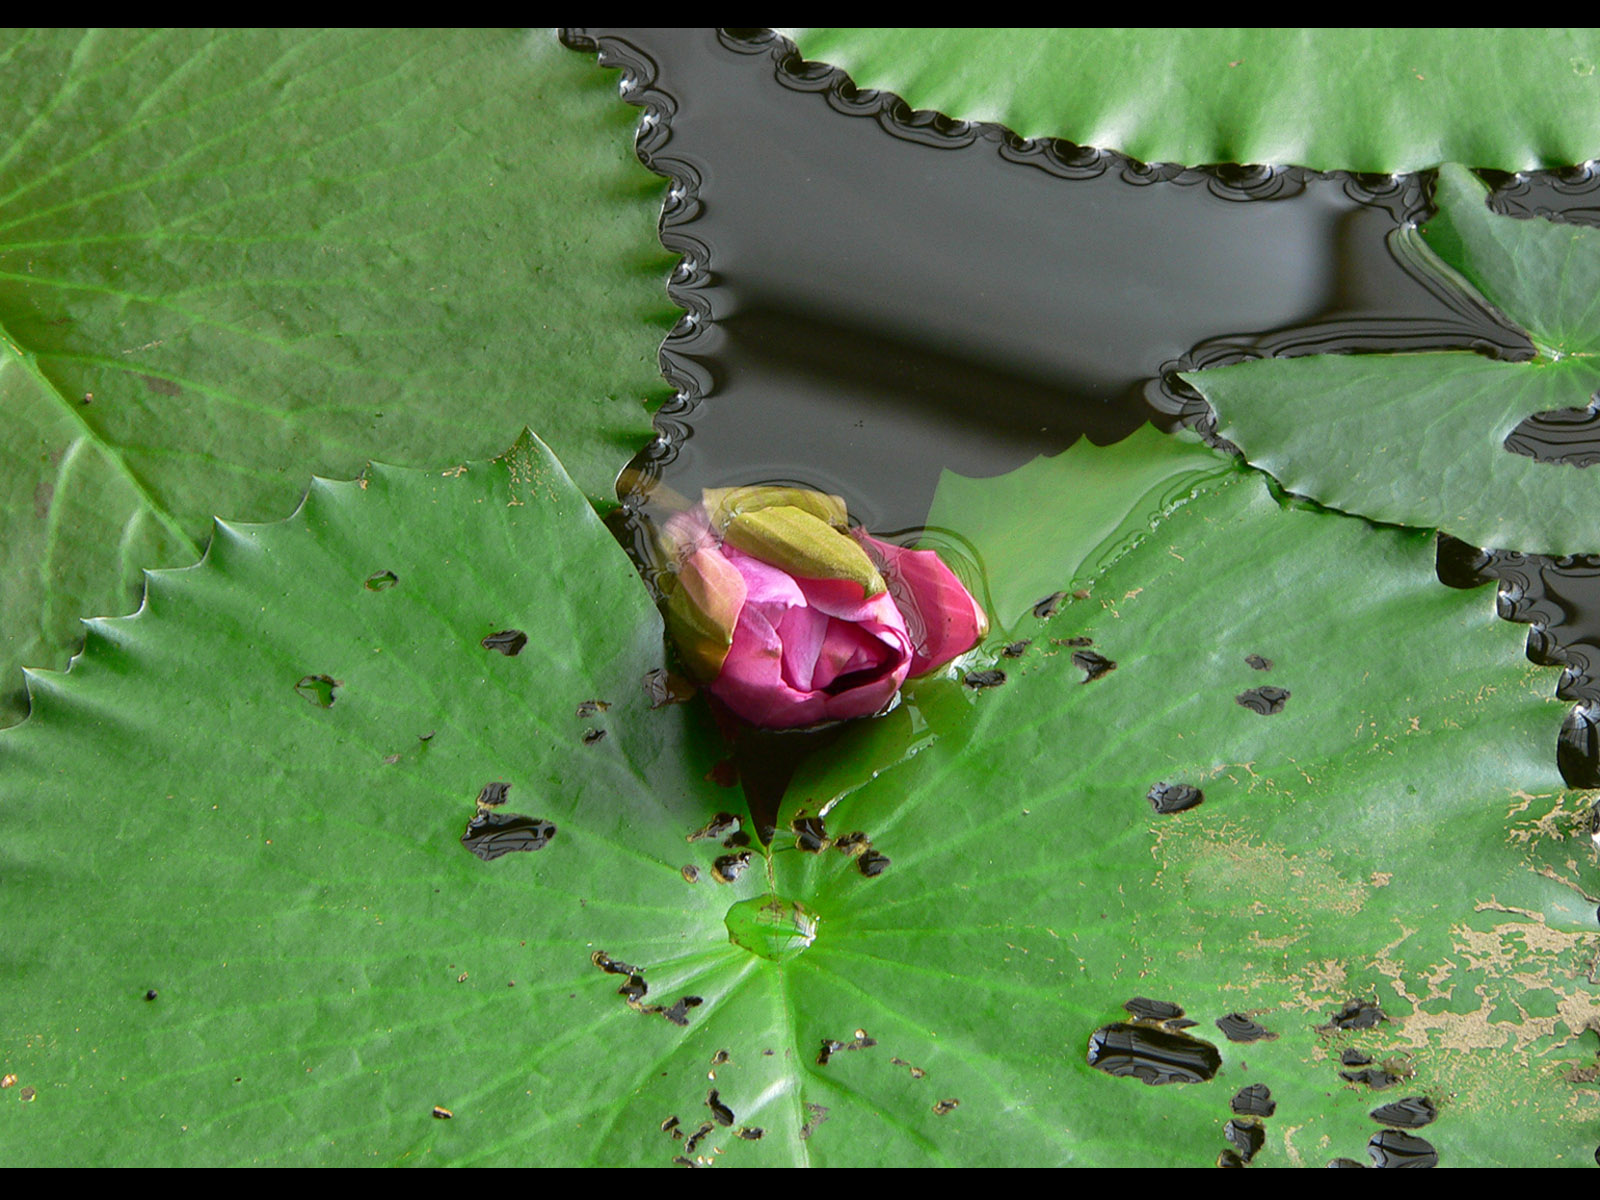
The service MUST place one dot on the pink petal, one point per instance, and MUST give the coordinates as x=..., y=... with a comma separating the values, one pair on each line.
x=752, y=683
x=842, y=600
x=759, y=685
x=864, y=701
x=801, y=632
x=850, y=648
x=941, y=616
x=765, y=584
x=715, y=584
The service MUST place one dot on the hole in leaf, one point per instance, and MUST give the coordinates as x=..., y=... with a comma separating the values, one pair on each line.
x=1142, y=1008
x=380, y=581
x=855, y=843
x=490, y=835
x=1152, y=1055
x=1357, y=1014
x=1094, y=666
x=1237, y=1027
x=1246, y=1137
x=977, y=680
x=830, y=1046
x=943, y=1108
x=318, y=690
x=719, y=827
x=589, y=708
x=1396, y=1148
x=1254, y=1101
x=508, y=642
x=1049, y=606
x=810, y=835
x=1168, y=798
x=1264, y=700
x=634, y=989
x=729, y=867
x=1017, y=649
x=678, y=1011
x=720, y=1112
x=872, y=863
x=1257, y=663
x=1411, y=1113
x=696, y=1137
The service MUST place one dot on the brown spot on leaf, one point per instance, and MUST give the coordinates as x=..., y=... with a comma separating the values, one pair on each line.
x=817, y=1114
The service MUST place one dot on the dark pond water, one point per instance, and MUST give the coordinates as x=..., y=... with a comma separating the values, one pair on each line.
x=873, y=294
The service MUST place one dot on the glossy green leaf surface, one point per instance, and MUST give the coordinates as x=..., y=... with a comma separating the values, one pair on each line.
x=1417, y=439
x=1059, y=521
x=1358, y=99
x=231, y=259
x=188, y=812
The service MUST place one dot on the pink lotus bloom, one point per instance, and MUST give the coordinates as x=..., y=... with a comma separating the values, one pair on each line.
x=791, y=618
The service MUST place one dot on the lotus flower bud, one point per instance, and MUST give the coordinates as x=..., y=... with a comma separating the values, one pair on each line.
x=790, y=617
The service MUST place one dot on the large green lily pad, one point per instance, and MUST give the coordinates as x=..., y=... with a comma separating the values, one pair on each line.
x=246, y=803
x=228, y=260
x=1358, y=99
x=1418, y=439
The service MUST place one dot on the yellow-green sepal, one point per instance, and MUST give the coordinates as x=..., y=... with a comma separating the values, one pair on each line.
x=722, y=505
x=803, y=544
x=703, y=601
